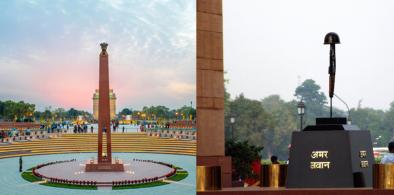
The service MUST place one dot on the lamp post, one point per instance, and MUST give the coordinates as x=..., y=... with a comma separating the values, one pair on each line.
x=301, y=112
x=232, y=121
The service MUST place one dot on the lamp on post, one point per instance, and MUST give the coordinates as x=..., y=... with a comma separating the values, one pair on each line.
x=232, y=121
x=301, y=112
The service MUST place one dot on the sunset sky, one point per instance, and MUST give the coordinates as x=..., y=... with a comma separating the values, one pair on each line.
x=49, y=51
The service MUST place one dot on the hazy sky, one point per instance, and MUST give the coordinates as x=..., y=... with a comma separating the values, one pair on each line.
x=269, y=44
x=49, y=51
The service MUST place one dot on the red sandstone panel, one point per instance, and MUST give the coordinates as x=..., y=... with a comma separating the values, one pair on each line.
x=210, y=133
x=209, y=22
x=210, y=103
x=209, y=6
x=210, y=84
x=209, y=64
x=209, y=45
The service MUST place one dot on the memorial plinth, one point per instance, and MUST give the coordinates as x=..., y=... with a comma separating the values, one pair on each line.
x=330, y=155
x=104, y=162
x=95, y=166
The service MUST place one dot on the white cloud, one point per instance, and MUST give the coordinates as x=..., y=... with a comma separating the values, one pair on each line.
x=116, y=4
x=180, y=88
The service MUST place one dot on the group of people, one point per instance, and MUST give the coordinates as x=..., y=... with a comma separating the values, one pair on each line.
x=81, y=128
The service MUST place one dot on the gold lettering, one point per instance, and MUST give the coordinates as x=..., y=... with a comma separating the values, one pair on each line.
x=319, y=154
x=364, y=164
x=363, y=154
x=320, y=165
x=326, y=165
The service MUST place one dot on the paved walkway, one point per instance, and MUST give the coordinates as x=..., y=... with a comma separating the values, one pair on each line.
x=104, y=187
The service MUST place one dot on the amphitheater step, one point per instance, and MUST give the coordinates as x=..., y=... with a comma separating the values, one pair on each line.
x=77, y=143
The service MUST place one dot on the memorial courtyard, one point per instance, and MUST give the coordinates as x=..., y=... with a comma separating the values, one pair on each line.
x=13, y=183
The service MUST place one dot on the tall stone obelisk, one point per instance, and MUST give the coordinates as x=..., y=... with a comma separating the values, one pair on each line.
x=104, y=112
x=104, y=160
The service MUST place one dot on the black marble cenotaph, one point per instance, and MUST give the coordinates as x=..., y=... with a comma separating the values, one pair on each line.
x=330, y=154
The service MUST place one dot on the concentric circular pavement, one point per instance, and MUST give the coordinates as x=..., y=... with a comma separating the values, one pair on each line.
x=75, y=170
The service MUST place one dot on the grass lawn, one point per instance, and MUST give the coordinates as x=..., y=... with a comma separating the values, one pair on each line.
x=28, y=176
x=179, y=175
x=70, y=186
x=143, y=185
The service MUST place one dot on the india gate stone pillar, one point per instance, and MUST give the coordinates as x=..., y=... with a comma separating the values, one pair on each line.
x=210, y=88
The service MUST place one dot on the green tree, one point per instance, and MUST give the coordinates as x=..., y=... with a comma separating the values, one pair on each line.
x=242, y=155
x=72, y=114
x=46, y=115
x=309, y=91
x=388, y=124
x=1, y=109
x=313, y=99
x=186, y=111
x=155, y=112
x=315, y=102
x=372, y=120
x=126, y=111
x=17, y=111
x=283, y=116
x=60, y=114
x=252, y=123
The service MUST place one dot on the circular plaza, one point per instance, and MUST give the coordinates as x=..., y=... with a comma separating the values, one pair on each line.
x=136, y=171
x=11, y=181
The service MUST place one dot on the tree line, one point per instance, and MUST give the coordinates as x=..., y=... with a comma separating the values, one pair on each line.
x=269, y=122
x=160, y=112
x=20, y=111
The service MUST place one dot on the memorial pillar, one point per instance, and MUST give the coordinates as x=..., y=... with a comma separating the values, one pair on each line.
x=210, y=89
x=104, y=112
x=104, y=163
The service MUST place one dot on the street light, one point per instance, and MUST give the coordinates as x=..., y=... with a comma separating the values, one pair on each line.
x=232, y=121
x=301, y=111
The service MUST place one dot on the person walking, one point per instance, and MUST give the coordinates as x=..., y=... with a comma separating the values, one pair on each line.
x=123, y=129
x=91, y=129
x=20, y=164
